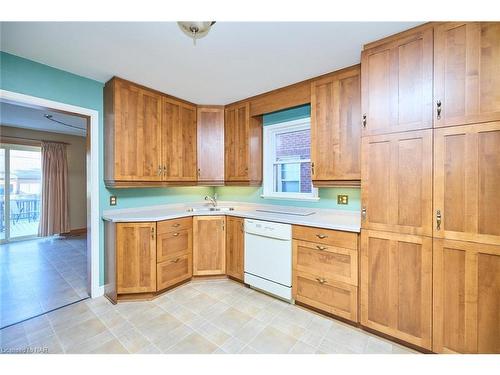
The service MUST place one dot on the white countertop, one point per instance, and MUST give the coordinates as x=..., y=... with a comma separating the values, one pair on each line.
x=322, y=218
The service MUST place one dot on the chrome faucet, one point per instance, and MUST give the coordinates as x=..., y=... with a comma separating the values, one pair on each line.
x=212, y=200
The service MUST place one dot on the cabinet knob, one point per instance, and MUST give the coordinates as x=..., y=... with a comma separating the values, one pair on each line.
x=321, y=247
x=175, y=234
x=321, y=236
x=176, y=260
x=320, y=280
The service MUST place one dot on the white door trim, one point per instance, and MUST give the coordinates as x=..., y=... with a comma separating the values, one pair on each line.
x=93, y=220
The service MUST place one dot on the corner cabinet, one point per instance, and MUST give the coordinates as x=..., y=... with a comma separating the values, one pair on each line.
x=336, y=129
x=210, y=138
x=209, y=246
x=150, y=138
x=243, y=146
x=397, y=83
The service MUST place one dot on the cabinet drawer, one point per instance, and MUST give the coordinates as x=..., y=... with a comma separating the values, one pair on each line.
x=332, y=237
x=169, y=244
x=337, y=298
x=173, y=225
x=173, y=271
x=326, y=261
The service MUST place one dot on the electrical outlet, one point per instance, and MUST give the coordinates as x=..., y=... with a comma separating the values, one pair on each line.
x=112, y=200
x=342, y=199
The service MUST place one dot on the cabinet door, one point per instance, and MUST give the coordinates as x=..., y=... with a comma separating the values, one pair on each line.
x=178, y=140
x=210, y=134
x=396, y=285
x=234, y=247
x=137, y=155
x=466, y=297
x=135, y=257
x=174, y=270
x=467, y=181
x=336, y=127
x=396, y=182
x=236, y=135
x=396, y=92
x=466, y=73
x=172, y=243
x=209, y=245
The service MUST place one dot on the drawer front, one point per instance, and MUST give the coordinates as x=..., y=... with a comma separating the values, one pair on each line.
x=173, y=271
x=169, y=244
x=331, y=237
x=331, y=262
x=331, y=296
x=174, y=225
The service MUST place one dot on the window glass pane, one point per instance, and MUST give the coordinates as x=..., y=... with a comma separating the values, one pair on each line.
x=25, y=180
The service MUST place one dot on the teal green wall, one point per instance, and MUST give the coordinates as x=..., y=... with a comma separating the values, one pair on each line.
x=328, y=196
x=31, y=78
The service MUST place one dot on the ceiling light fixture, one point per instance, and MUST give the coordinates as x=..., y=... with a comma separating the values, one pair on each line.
x=195, y=30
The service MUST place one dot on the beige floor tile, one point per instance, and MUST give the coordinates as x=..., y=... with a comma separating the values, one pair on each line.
x=87, y=346
x=199, y=303
x=350, y=338
x=213, y=333
x=288, y=327
x=48, y=345
x=272, y=341
x=80, y=333
x=333, y=347
x=173, y=337
x=249, y=330
x=110, y=347
x=233, y=345
x=193, y=344
x=159, y=328
x=311, y=338
x=302, y=348
x=183, y=313
x=231, y=320
x=150, y=349
x=149, y=313
x=248, y=350
x=134, y=341
x=377, y=346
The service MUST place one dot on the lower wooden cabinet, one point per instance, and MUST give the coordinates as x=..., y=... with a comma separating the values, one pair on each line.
x=135, y=257
x=174, y=270
x=466, y=297
x=396, y=285
x=326, y=294
x=235, y=243
x=209, y=245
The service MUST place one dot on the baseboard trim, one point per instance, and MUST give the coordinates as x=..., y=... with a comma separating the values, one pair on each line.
x=75, y=232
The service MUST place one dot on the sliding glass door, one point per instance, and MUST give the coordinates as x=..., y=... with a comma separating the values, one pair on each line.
x=20, y=188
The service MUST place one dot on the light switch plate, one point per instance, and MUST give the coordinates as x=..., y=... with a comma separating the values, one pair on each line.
x=112, y=200
x=342, y=199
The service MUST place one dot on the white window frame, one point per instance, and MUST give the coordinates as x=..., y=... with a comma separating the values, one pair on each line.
x=269, y=152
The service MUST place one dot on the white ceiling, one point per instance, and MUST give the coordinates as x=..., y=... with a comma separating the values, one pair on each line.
x=236, y=60
x=33, y=118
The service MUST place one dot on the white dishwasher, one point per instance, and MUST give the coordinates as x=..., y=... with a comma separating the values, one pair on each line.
x=268, y=257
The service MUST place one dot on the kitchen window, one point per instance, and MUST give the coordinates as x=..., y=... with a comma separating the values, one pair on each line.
x=287, y=161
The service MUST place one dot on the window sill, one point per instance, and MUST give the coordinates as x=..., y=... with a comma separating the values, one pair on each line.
x=292, y=198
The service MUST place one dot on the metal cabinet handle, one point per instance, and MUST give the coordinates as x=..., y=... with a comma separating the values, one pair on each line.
x=175, y=234
x=153, y=233
x=363, y=213
x=321, y=247
x=312, y=168
x=321, y=236
x=164, y=169
x=160, y=171
x=320, y=280
x=438, y=220
x=176, y=260
x=175, y=225
x=199, y=172
x=438, y=109
x=364, y=120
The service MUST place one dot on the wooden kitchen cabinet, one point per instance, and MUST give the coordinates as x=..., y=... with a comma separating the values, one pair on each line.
x=209, y=245
x=133, y=137
x=135, y=257
x=467, y=182
x=235, y=243
x=242, y=145
x=174, y=270
x=174, y=237
x=396, y=285
x=178, y=128
x=210, y=134
x=396, y=182
x=396, y=87
x=336, y=128
x=466, y=297
x=466, y=74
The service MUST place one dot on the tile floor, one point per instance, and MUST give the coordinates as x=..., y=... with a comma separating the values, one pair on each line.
x=219, y=316
x=39, y=275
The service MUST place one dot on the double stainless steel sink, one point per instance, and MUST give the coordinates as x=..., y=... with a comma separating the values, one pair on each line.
x=210, y=209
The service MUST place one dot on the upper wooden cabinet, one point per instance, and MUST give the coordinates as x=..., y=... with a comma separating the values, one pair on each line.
x=396, y=285
x=467, y=182
x=150, y=137
x=135, y=257
x=235, y=247
x=336, y=128
x=396, y=87
x=132, y=120
x=178, y=129
x=466, y=73
x=466, y=297
x=210, y=134
x=209, y=245
x=243, y=146
x=396, y=182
